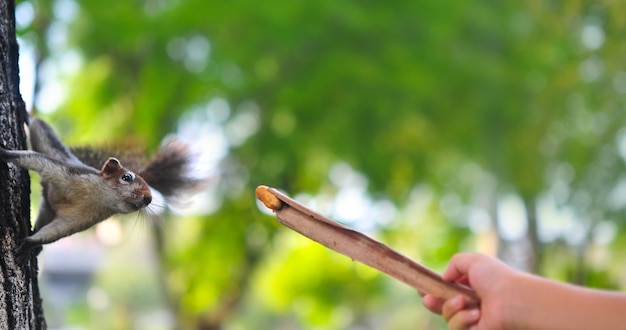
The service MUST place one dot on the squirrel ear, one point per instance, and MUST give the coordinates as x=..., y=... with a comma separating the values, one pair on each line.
x=111, y=166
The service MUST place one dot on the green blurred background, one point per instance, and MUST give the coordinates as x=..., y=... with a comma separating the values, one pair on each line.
x=435, y=126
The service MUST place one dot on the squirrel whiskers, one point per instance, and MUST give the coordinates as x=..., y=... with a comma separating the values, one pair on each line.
x=84, y=186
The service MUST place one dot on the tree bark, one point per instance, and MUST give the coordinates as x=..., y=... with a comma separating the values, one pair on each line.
x=20, y=302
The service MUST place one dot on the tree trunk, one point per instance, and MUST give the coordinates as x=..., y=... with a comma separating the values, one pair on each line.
x=20, y=303
x=536, y=248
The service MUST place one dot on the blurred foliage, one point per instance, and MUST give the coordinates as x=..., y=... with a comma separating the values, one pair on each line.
x=444, y=108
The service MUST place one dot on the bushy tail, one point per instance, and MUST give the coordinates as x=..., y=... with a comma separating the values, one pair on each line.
x=169, y=172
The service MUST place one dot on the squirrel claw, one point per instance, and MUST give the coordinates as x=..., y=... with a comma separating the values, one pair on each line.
x=25, y=252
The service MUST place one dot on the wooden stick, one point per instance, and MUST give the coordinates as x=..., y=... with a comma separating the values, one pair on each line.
x=360, y=247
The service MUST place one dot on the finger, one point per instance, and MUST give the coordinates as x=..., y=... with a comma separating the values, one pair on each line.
x=463, y=280
x=459, y=266
x=452, y=306
x=464, y=319
x=433, y=303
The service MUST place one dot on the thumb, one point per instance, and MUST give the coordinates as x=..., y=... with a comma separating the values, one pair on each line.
x=459, y=266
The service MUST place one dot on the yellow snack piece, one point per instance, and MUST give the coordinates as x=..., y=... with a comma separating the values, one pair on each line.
x=270, y=200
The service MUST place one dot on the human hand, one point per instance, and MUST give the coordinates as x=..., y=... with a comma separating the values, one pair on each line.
x=494, y=283
x=514, y=300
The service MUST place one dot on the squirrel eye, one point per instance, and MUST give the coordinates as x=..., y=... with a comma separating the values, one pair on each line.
x=128, y=177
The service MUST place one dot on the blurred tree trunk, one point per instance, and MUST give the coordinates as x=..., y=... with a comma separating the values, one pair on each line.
x=536, y=250
x=20, y=303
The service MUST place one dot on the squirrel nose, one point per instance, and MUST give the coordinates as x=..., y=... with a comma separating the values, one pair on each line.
x=147, y=199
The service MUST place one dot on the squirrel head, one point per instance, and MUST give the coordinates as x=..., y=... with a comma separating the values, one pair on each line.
x=132, y=188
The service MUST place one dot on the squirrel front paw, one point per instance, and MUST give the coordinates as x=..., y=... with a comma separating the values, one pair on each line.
x=26, y=250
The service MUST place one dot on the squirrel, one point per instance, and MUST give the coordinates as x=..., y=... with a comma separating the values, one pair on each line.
x=84, y=186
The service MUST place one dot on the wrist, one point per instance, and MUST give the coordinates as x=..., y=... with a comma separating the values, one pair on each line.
x=546, y=304
x=517, y=292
